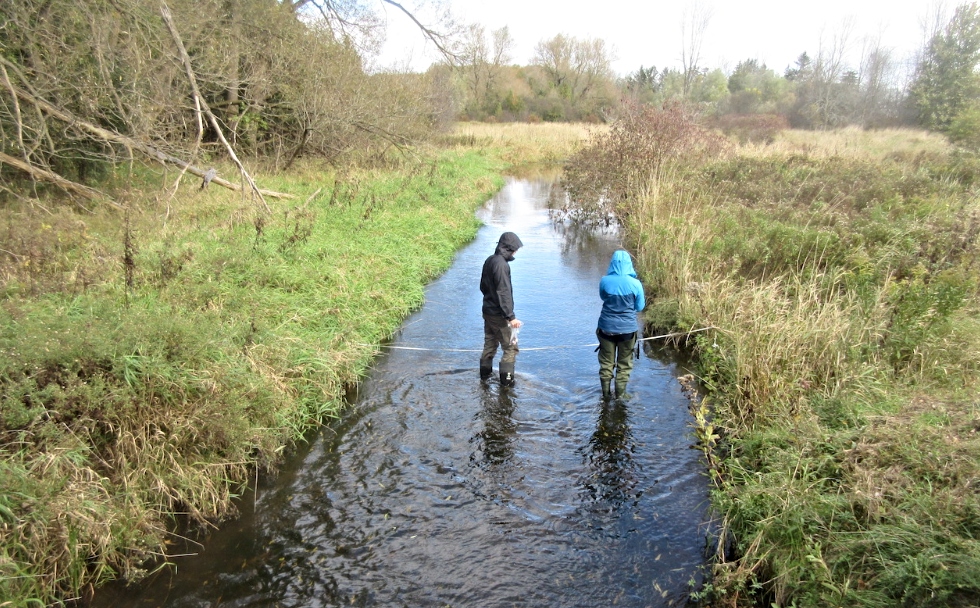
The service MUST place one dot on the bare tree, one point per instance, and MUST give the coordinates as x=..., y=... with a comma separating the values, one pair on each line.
x=826, y=94
x=575, y=67
x=555, y=57
x=358, y=20
x=876, y=73
x=481, y=61
x=694, y=23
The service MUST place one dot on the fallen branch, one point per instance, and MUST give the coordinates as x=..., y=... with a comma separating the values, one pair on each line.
x=61, y=182
x=129, y=142
x=201, y=104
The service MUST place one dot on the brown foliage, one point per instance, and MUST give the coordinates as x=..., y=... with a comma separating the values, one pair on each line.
x=618, y=165
x=755, y=128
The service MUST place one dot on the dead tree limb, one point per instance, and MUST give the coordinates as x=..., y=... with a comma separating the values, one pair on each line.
x=123, y=140
x=186, y=60
x=18, y=122
x=436, y=38
x=61, y=182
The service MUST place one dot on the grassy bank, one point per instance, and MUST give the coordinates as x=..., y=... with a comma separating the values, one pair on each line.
x=841, y=270
x=151, y=360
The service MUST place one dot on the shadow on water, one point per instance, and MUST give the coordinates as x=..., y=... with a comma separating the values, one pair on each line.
x=438, y=489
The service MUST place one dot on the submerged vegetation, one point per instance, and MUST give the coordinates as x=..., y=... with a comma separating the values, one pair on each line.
x=841, y=272
x=153, y=360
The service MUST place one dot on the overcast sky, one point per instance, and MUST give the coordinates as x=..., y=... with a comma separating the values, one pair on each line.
x=648, y=32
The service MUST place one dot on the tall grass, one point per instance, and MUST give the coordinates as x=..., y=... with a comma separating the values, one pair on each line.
x=522, y=143
x=854, y=142
x=843, y=281
x=780, y=335
x=135, y=394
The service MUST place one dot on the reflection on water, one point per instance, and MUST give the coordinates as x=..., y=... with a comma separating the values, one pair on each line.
x=613, y=478
x=494, y=445
x=437, y=489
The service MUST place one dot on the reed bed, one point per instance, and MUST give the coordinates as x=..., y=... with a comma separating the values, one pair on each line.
x=853, y=142
x=523, y=143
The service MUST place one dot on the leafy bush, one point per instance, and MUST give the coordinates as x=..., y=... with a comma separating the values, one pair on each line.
x=964, y=129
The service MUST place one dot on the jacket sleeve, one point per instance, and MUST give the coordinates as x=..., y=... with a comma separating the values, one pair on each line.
x=504, y=289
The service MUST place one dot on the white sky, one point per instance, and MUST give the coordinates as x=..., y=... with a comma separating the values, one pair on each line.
x=648, y=32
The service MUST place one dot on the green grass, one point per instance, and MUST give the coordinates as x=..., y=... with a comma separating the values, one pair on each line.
x=127, y=399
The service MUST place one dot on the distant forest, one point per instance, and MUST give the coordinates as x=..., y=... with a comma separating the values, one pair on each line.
x=87, y=84
x=571, y=79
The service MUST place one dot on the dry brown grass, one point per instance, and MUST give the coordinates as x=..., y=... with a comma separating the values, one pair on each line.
x=853, y=142
x=524, y=143
x=784, y=336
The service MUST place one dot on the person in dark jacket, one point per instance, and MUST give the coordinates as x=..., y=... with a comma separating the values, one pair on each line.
x=622, y=297
x=499, y=322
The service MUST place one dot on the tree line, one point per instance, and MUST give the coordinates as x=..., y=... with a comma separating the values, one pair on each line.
x=88, y=84
x=572, y=79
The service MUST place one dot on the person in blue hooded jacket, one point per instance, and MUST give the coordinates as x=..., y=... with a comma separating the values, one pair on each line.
x=622, y=297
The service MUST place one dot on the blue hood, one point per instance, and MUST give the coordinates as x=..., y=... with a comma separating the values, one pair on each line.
x=621, y=264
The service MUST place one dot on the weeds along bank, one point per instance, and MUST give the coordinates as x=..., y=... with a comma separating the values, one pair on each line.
x=843, y=375
x=150, y=360
x=842, y=380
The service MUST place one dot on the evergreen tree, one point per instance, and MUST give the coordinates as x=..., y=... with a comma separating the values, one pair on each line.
x=946, y=80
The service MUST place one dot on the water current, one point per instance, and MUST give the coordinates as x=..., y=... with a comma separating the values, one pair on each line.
x=435, y=489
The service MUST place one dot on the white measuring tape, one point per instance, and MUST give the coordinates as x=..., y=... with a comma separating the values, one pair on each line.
x=480, y=350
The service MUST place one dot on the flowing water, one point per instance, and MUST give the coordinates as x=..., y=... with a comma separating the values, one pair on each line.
x=435, y=489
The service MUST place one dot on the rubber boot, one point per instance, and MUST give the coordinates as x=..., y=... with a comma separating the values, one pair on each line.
x=486, y=369
x=606, y=384
x=506, y=374
x=621, y=389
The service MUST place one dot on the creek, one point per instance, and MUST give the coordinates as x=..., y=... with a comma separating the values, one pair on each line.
x=435, y=489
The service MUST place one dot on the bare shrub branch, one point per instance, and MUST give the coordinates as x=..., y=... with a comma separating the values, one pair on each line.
x=600, y=180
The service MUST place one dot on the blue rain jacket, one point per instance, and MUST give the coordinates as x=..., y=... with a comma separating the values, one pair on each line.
x=622, y=296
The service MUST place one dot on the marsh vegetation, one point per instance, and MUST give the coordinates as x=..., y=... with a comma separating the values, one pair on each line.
x=840, y=270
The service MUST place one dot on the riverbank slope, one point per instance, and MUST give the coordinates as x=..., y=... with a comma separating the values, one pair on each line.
x=153, y=361
x=841, y=423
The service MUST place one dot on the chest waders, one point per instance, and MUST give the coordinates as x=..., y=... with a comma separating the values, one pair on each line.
x=615, y=362
x=498, y=332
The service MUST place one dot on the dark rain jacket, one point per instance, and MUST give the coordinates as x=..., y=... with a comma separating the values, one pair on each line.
x=622, y=296
x=498, y=293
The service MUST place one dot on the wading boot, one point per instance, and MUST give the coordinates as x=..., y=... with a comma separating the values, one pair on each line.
x=606, y=384
x=621, y=389
x=486, y=369
x=506, y=374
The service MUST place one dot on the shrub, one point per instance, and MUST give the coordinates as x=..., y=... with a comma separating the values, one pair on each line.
x=755, y=128
x=601, y=179
x=965, y=127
